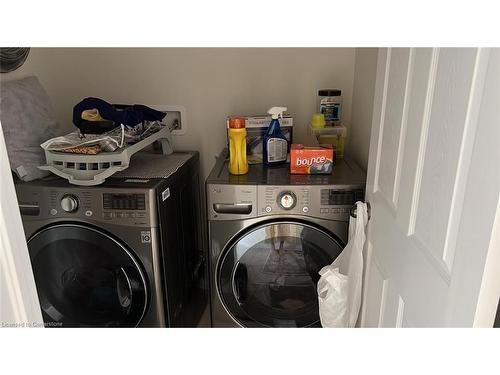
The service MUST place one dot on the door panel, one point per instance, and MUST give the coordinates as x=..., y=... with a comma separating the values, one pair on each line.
x=399, y=66
x=448, y=130
x=394, y=308
x=424, y=128
x=376, y=299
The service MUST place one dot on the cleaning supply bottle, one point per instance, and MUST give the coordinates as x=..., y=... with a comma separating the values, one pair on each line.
x=237, y=134
x=275, y=148
x=318, y=120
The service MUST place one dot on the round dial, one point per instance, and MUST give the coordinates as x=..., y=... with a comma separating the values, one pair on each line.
x=287, y=200
x=69, y=203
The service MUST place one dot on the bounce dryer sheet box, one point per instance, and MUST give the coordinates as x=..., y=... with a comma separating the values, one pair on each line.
x=311, y=160
x=256, y=129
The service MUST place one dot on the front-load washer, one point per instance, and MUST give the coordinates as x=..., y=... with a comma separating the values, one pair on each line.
x=125, y=253
x=270, y=233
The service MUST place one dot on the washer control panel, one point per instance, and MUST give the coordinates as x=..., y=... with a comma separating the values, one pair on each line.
x=234, y=202
x=320, y=201
x=125, y=207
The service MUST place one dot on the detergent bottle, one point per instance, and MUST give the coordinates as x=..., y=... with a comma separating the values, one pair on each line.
x=275, y=148
x=237, y=146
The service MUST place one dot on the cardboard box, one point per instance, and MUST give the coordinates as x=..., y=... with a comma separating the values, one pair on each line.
x=311, y=160
x=256, y=129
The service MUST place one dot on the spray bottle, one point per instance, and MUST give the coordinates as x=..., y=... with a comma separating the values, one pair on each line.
x=275, y=148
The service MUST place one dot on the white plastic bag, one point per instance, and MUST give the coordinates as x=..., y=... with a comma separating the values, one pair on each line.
x=77, y=139
x=339, y=288
x=332, y=295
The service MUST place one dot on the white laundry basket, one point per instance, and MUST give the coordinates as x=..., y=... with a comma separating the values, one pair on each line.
x=89, y=170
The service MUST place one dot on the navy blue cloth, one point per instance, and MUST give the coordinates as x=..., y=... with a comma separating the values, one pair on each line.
x=130, y=115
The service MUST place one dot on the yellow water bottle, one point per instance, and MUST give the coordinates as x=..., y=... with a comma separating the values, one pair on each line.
x=237, y=146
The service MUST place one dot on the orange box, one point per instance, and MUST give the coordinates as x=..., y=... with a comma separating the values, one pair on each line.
x=311, y=160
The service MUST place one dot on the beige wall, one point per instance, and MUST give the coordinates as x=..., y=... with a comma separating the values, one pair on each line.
x=362, y=103
x=210, y=83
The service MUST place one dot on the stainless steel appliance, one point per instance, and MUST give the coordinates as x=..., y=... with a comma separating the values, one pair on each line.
x=125, y=253
x=270, y=233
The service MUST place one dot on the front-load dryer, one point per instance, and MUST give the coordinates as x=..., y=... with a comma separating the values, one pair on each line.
x=270, y=233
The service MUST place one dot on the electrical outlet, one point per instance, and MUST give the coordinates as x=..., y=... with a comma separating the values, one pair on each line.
x=176, y=117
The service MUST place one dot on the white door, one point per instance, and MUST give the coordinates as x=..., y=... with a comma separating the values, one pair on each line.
x=19, y=306
x=433, y=185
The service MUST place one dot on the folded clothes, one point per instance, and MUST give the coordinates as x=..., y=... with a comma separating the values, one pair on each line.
x=130, y=115
x=86, y=150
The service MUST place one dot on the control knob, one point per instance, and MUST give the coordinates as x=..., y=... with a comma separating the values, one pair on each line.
x=69, y=203
x=287, y=200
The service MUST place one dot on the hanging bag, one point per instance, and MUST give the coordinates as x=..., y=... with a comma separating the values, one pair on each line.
x=339, y=288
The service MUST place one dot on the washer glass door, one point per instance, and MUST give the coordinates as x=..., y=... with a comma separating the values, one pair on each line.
x=85, y=278
x=269, y=276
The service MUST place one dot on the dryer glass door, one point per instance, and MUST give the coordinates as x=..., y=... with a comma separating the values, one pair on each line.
x=269, y=276
x=85, y=278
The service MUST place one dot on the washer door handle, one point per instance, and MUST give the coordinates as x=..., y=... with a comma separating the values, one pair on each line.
x=240, y=282
x=123, y=288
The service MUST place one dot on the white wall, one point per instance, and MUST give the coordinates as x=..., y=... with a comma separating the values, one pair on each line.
x=365, y=70
x=210, y=83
